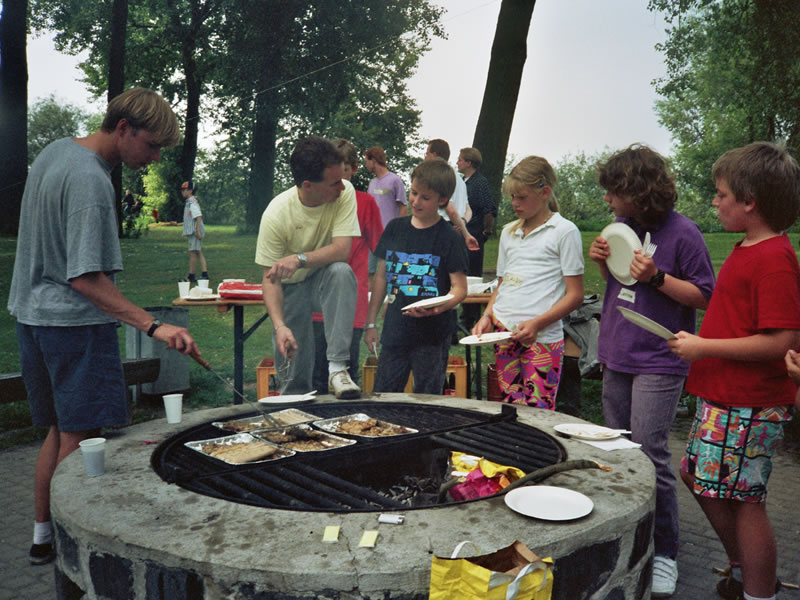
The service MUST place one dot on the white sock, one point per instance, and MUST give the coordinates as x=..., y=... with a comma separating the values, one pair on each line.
x=335, y=367
x=42, y=532
x=749, y=597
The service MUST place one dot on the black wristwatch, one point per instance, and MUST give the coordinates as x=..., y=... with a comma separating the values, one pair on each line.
x=301, y=258
x=156, y=324
x=657, y=280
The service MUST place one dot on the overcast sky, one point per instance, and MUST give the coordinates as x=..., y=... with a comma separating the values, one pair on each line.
x=586, y=84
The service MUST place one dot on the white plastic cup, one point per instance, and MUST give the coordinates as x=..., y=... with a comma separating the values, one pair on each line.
x=203, y=283
x=183, y=289
x=173, y=405
x=94, y=456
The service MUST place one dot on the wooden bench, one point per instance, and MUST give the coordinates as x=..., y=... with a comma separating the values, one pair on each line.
x=137, y=370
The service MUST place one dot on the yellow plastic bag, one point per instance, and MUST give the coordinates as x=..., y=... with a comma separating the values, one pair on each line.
x=511, y=572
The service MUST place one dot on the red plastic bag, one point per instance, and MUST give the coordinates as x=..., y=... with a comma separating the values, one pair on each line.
x=240, y=290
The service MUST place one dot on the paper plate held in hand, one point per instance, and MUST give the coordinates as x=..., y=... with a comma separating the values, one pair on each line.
x=622, y=241
x=485, y=339
x=645, y=323
x=430, y=302
x=548, y=502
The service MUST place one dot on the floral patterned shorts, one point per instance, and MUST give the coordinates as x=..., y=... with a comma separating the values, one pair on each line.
x=730, y=450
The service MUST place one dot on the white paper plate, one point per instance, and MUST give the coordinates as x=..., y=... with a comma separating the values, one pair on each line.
x=646, y=323
x=622, y=241
x=430, y=302
x=288, y=399
x=548, y=502
x=592, y=433
x=206, y=297
x=478, y=288
x=486, y=338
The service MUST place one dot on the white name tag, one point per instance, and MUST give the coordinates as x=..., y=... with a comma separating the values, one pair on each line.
x=511, y=279
x=627, y=295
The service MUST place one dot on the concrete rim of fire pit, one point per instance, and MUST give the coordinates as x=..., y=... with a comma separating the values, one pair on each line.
x=131, y=515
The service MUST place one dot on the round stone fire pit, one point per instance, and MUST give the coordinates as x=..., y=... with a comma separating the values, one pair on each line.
x=131, y=535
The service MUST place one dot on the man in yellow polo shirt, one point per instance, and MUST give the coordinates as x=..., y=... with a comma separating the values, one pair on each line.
x=303, y=244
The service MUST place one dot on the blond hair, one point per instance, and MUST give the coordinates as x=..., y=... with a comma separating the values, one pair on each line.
x=532, y=172
x=144, y=109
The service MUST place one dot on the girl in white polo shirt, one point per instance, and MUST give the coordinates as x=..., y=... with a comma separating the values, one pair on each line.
x=540, y=280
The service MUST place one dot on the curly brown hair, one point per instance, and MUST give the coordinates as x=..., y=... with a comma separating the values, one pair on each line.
x=640, y=175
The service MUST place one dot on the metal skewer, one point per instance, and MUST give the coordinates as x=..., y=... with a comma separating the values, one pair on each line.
x=267, y=417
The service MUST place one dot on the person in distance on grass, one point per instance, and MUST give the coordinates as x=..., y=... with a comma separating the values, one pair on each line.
x=642, y=379
x=304, y=239
x=739, y=363
x=420, y=256
x=62, y=291
x=194, y=230
x=540, y=281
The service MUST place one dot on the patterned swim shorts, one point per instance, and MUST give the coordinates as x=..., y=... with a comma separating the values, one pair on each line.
x=730, y=450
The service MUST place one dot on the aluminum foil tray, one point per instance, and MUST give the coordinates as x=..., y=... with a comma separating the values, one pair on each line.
x=287, y=416
x=362, y=425
x=244, y=440
x=303, y=438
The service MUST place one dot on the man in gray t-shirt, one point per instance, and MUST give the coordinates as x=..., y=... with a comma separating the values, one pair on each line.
x=62, y=291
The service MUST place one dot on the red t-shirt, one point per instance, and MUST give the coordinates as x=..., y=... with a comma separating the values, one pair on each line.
x=369, y=220
x=758, y=288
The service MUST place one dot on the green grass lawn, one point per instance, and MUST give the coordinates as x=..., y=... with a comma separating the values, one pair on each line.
x=153, y=265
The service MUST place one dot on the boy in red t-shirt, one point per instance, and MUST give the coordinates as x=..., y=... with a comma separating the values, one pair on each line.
x=738, y=371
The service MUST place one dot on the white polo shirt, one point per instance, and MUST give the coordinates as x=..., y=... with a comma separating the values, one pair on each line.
x=533, y=270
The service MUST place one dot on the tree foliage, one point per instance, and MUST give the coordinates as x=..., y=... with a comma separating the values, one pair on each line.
x=50, y=119
x=733, y=77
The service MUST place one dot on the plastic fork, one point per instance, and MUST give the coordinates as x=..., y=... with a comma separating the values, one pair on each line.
x=648, y=248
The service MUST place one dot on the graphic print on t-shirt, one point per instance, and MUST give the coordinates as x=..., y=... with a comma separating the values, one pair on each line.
x=412, y=275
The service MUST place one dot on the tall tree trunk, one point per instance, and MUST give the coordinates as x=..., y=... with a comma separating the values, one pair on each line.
x=509, y=51
x=262, y=161
x=13, y=112
x=193, y=86
x=116, y=82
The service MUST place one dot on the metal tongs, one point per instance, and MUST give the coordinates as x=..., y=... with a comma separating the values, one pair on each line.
x=269, y=419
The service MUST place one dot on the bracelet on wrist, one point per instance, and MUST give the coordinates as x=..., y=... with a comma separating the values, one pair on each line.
x=370, y=326
x=487, y=315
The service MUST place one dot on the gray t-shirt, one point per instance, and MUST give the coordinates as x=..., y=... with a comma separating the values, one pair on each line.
x=68, y=227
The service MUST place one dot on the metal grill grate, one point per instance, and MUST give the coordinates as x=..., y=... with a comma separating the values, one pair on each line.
x=358, y=477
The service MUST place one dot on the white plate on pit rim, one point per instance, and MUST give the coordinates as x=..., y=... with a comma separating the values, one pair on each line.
x=548, y=502
x=646, y=323
x=288, y=399
x=590, y=433
x=622, y=241
x=430, y=302
x=486, y=338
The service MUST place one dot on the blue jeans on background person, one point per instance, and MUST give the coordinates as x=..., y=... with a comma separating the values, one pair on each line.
x=646, y=405
x=426, y=362
x=319, y=378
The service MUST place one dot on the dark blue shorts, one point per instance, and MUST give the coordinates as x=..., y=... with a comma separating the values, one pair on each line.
x=73, y=376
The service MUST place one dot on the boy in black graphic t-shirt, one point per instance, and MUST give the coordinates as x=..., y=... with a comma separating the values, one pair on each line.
x=419, y=257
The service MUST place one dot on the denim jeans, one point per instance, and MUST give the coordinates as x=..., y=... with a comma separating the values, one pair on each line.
x=646, y=404
x=426, y=362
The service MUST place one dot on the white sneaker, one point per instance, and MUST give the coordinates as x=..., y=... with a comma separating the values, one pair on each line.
x=343, y=386
x=665, y=577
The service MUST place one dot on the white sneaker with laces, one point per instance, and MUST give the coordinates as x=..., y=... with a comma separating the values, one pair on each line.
x=343, y=386
x=665, y=577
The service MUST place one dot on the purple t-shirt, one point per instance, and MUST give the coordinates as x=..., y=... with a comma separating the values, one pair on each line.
x=625, y=347
x=390, y=195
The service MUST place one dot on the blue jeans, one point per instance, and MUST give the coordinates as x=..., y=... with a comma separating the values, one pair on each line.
x=646, y=404
x=428, y=363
